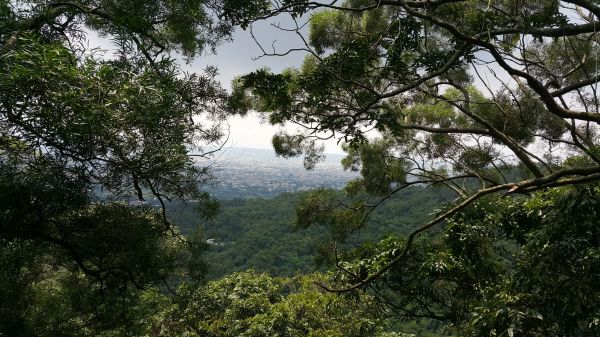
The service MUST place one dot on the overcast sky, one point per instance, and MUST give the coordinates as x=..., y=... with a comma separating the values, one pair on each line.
x=240, y=57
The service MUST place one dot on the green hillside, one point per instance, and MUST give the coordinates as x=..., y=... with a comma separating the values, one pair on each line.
x=261, y=233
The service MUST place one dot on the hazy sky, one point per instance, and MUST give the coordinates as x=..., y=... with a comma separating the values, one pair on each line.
x=240, y=57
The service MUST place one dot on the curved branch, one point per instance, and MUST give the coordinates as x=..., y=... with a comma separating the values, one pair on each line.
x=429, y=129
x=413, y=236
x=552, y=180
x=533, y=83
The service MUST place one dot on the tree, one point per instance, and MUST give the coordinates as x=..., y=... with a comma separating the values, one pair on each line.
x=552, y=291
x=81, y=134
x=490, y=99
x=253, y=305
x=521, y=266
x=420, y=73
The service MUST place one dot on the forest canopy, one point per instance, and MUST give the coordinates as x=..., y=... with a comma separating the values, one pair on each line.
x=496, y=101
x=484, y=97
x=83, y=134
x=493, y=102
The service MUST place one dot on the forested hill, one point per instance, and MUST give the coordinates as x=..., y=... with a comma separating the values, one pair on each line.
x=260, y=233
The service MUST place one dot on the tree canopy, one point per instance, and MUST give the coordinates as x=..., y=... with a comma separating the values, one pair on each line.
x=496, y=101
x=460, y=92
x=84, y=133
x=251, y=304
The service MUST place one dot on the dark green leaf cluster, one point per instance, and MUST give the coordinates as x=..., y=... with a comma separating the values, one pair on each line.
x=257, y=305
x=381, y=171
x=91, y=148
x=522, y=266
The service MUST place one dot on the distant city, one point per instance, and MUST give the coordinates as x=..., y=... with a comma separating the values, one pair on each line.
x=251, y=173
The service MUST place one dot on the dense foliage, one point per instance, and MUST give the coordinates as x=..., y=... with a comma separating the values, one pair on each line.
x=524, y=266
x=496, y=101
x=76, y=124
x=504, y=266
x=458, y=93
x=257, y=305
